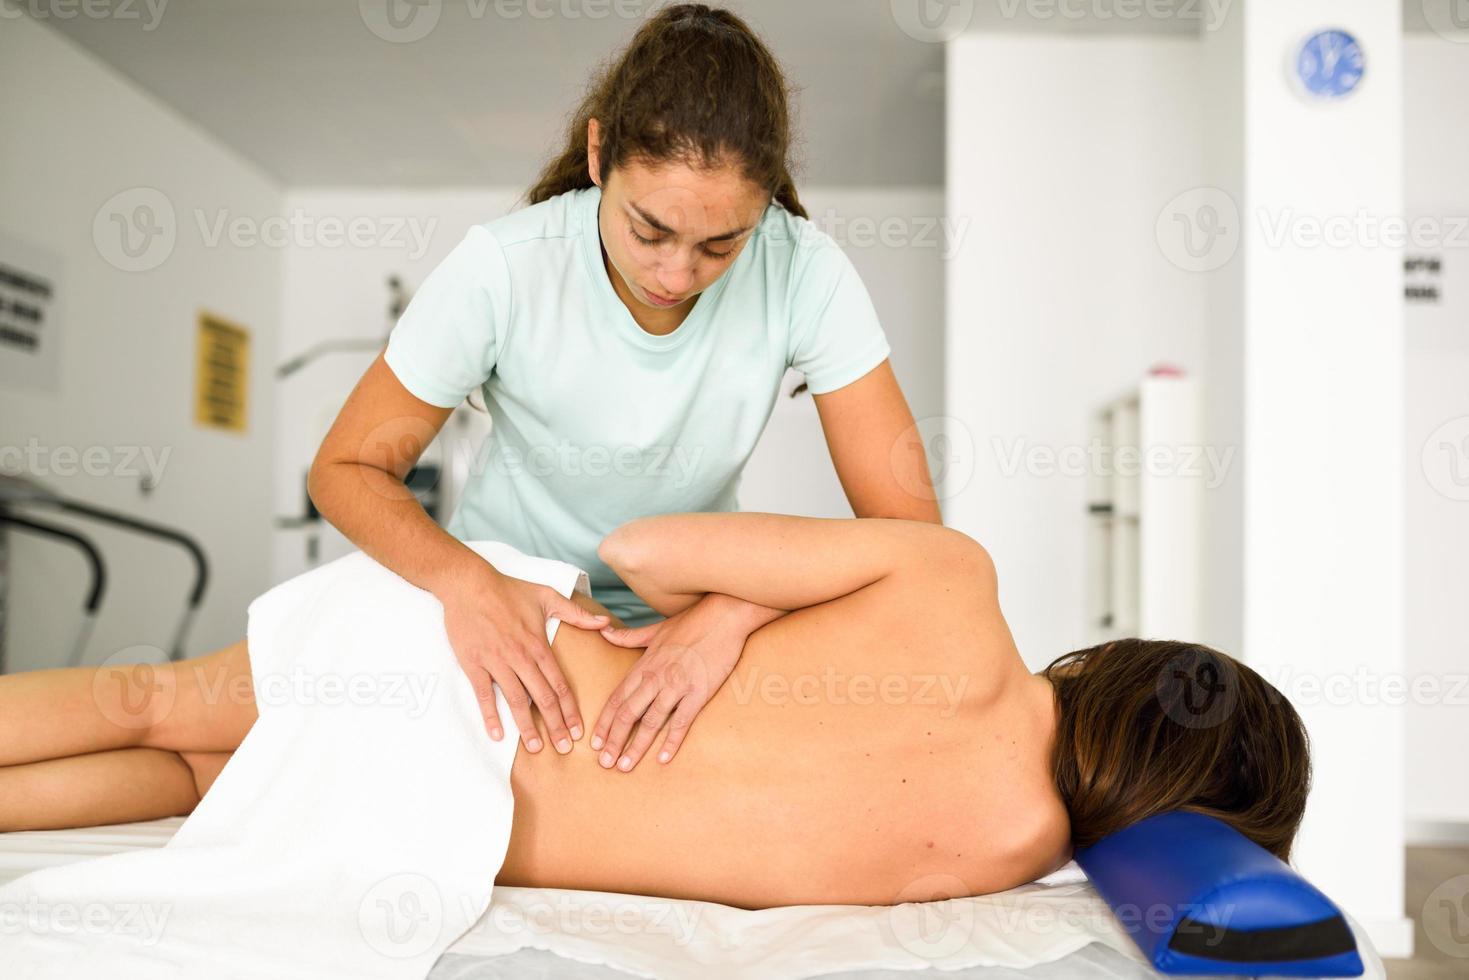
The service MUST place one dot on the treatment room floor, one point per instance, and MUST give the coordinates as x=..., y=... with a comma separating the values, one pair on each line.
x=1429, y=867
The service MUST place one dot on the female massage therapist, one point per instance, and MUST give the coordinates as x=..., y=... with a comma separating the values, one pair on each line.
x=629, y=331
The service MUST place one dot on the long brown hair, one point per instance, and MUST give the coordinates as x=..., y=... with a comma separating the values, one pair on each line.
x=695, y=85
x=1149, y=726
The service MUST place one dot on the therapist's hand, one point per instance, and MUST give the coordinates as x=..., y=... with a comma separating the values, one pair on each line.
x=689, y=656
x=497, y=627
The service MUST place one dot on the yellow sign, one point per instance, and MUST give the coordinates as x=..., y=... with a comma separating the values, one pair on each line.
x=222, y=374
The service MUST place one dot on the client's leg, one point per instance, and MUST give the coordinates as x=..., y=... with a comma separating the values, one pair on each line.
x=116, y=786
x=89, y=745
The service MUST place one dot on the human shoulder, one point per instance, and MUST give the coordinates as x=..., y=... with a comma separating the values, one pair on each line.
x=554, y=219
x=802, y=244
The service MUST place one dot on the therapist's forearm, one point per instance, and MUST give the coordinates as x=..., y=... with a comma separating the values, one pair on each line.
x=379, y=514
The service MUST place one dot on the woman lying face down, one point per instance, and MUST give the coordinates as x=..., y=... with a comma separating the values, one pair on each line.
x=884, y=742
x=880, y=742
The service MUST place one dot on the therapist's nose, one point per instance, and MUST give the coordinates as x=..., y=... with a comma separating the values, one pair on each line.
x=676, y=281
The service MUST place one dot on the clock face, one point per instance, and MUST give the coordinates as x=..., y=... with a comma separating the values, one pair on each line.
x=1329, y=64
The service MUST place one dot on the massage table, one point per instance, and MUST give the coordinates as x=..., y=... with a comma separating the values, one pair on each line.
x=1055, y=929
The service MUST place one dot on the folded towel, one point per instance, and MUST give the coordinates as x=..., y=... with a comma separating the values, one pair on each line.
x=356, y=832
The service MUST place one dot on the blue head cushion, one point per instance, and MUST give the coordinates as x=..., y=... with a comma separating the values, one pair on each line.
x=1197, y=896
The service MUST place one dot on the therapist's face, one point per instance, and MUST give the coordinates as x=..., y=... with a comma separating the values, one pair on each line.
x=671, y=230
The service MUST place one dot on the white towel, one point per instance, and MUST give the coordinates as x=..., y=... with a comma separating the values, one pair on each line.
x=357, y=831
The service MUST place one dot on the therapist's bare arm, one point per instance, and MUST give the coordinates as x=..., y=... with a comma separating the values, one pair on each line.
x=496, y=624
x=876, y=448
x=356, y=480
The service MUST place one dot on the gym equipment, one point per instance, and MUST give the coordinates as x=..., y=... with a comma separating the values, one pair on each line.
x=94, y=592
x=16, y=491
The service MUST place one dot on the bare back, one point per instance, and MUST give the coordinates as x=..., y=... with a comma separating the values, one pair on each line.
x=883, y=747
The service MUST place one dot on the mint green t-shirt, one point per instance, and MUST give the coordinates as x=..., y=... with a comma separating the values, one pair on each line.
x=595, y=421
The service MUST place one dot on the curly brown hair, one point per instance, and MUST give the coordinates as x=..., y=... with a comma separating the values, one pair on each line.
x=1149, y=726
x=695, y=85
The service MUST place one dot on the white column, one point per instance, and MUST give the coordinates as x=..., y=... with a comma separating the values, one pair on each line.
x=1307, y=358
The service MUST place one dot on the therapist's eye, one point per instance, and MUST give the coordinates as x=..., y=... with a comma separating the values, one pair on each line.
x=707, y=250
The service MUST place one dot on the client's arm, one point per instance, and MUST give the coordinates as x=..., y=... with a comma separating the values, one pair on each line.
x=778, y=561
x=755, y=568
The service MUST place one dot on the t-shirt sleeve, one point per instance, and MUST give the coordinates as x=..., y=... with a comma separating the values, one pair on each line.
x=446, y=343
x=835, y=335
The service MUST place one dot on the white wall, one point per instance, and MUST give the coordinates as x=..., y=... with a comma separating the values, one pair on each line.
x=332, y=292
x=76, y=134
x=1436, y=178
x=1059, y=297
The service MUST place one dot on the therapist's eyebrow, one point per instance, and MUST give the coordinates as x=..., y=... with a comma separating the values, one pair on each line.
x=660, y=226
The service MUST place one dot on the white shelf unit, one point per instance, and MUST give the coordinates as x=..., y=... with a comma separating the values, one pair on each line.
x=1145, y=503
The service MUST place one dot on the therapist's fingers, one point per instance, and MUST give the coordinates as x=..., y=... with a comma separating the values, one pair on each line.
x=648, y=728
x=567, y=611
x=484, y=692
x=636, y=636
x=565, y=700
x=623, y=709
x=678, y=727
x=548, y=688
x=519, y=702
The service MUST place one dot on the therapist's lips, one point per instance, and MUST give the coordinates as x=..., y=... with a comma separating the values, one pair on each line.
x=662, y=301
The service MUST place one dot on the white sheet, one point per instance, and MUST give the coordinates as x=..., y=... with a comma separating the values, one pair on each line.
x=1022, y=929
x=358, y=795
x=355, y=833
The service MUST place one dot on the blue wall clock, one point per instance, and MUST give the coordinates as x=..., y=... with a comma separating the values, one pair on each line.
x=1329, y=64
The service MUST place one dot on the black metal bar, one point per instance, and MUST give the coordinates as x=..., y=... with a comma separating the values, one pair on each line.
x=201, y=563
x=99, y=580
x=89, y=551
